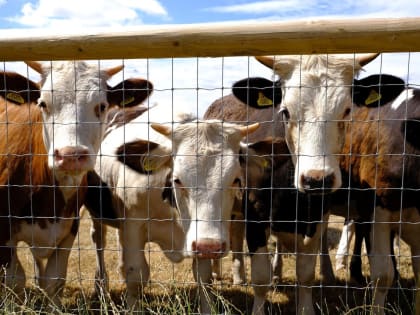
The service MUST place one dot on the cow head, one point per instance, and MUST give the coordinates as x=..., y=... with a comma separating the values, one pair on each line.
x=315, y=100
x=205, y=179
x=74, y=100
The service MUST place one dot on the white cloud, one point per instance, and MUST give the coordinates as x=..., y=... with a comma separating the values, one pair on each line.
x=296, y=9
x=260, y=7
x=71, y=14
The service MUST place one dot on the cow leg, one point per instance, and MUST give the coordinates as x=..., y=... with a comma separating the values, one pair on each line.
x=362, y=231
x=237, y=233
x=260, y=278
x=327, y=273
x=98, y=236
x=277, y=263
x=410, y=234
x=256, y=238
x=216, y=269
x=11, y=270
x=381, y=269
x=202, y=275
x=343, y=246
x=237, y=246
x=54, y=278
x=136, y=270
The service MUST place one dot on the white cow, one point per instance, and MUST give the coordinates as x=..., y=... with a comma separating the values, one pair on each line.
x=315, y=100
x=200, y=161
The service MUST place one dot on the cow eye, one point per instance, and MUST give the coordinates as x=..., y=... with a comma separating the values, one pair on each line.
x=102, y=107
x=284, y=112
x=177, y=182
x=42, y=104
x=347, y=112
x=237, y=182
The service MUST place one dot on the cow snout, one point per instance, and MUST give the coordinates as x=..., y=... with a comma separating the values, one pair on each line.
x=315, y=181
x=72, y=159
x=209, y=248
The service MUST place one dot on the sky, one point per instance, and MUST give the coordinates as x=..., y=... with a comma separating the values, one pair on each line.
x=193, y=83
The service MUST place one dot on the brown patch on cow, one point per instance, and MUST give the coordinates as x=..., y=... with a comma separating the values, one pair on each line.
x=132, y=153
x=28, y=190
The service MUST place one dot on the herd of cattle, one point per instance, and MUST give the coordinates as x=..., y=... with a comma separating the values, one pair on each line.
x=277, y=156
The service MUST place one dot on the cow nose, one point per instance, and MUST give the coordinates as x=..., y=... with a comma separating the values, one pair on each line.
x=316, y=180
x=209, y=248
x=72, y=159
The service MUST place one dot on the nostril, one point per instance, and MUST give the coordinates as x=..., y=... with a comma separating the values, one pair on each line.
x=317, y=181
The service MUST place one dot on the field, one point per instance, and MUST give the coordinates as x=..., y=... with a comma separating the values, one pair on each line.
x=172, y=289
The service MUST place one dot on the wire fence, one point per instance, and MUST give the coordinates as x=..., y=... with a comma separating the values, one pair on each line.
x=195, y=202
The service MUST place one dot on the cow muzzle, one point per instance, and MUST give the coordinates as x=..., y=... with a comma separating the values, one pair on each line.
x=208, y=248
x=73, y=159
x=318, y=181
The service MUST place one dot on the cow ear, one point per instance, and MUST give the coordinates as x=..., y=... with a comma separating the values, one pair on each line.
x=258, y=92
x=130, y=92
x=377, y=90
x=274, y=151
x=17, y=88
x=266, y=153
x=143, y=156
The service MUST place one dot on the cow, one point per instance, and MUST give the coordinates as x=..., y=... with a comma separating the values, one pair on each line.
x=315, y=96
x=51, y=132
x=381, y=157
x=172, y=180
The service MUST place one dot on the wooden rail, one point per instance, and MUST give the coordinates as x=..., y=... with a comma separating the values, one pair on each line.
x=218, y=39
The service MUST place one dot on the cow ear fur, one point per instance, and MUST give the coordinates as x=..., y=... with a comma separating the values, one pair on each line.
x=376, y=90
x=143, y=156
x=267, y=153
x=258, y=92
x=130, y=92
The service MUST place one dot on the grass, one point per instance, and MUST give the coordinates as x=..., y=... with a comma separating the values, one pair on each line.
x=172, y=289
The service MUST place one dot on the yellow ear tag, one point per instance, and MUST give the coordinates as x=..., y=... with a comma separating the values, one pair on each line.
x=14, y=97
x=265, y=163
x=148, y=165
x=373, y=97
x=127, y=101
x=263, y=100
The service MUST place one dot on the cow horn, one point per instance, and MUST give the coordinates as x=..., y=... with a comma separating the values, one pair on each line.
x=164, y=130
x=114, y=70
x=37, y=66
x=245, y=130
x=266, y=61
x=366, y=58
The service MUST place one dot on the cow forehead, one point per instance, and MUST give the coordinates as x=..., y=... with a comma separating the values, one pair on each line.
x=74, y=78
x=308, y=95
x=202, y=148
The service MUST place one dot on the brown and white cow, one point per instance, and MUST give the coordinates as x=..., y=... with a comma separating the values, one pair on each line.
x=382, y=157
x=194, y=164
x=46, y=148
x=315, y=97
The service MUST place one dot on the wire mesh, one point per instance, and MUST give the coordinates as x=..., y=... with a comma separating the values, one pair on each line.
x=142, y=230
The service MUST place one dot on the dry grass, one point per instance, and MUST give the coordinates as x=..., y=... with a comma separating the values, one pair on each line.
x=172, y=289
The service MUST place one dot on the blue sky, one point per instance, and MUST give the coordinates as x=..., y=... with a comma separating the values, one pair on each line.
x=102, y=13
x=176, y=79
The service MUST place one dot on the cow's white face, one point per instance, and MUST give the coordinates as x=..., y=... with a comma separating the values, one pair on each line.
x=206, y=180
x=73, y=102
x=316, y=102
